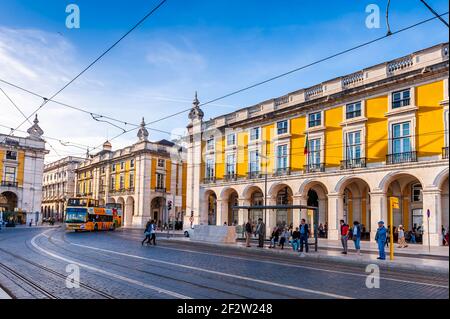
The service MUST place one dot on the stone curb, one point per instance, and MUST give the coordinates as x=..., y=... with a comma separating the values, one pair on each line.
x=344, y=259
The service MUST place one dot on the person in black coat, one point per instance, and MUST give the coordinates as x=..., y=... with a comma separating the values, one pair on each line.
x=304, y=235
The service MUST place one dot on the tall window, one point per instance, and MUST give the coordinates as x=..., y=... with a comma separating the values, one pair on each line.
x=131, y=180
x=113, y=167
x=122, y=165
x=132, y=163
x=161, y=163
x=401, y=139
x=254, y=161
x=11, y=155
x=113, y=183
x=315, y=119
x=231, y=139
x=254, y=134
x=209, y=168
x=353, y=110
x=282, y=127
x=314, y=152
x=210, y=144
x=231, y=165
x=353, y=143
x=10, y=174
x=401, y=98
x=160, y=179
x=121, y=182
x=282, y=157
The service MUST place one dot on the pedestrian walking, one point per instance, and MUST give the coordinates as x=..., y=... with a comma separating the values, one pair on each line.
x=274, y=237
x=261, y=232
x=153, y=233
x=147, y=234
x=248, y=233
x=304, y=235
x=388, y=236
x=284, y=238
x=344, y=236
x=412, y=237
x=446, y=238
x=30, y=223
x=356, y=236
x=295, y=239
x=380, y=238
x=401, y=237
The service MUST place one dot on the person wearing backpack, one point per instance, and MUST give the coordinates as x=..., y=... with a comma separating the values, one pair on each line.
x=344, y=236
x=356, y=236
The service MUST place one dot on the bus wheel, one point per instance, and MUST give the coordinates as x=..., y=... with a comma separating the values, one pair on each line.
x=96, y=227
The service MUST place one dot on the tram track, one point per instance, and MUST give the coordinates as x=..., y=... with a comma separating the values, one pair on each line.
x=419, y=278
x=277, y=293
x=53, y=272
x=28, y=282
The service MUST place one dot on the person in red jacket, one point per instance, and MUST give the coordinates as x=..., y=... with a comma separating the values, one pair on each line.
x=344, y=236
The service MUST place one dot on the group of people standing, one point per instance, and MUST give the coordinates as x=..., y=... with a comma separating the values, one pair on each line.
x=150, y=233
x=280, y=235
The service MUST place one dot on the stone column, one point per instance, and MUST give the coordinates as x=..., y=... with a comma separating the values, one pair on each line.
x=335, y=211
x=432, y=202
x=378, y=211
x=298, y=214
x=222, y=212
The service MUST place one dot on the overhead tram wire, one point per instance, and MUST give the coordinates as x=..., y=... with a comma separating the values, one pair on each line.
x=46, y=100
x=434, y=12
x=23, y=114
x=304, y=66
x=90, y=113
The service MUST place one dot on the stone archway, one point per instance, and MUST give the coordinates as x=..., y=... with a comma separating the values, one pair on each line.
x=409, y=191
x=229, y=199
x=8, y=205
x=316, y=195
x=211, y=207
x=356, y=202
x=281, y=194
x=157, y=207
x=128, y=212
x=444, y=188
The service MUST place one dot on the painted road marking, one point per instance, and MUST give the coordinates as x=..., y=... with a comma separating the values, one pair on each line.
x=295, y=266
x=219, y=273
x=129, y=280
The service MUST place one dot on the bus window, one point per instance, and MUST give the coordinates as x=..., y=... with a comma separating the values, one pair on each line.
x=74, y=215
x=77, y=202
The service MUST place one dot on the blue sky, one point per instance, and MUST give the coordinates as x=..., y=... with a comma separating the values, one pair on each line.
x=214, y=47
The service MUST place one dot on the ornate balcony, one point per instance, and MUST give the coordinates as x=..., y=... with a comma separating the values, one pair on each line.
x=254, y=175
x=353, y=163
x=9, y=184
x=282, y=171
x=405, y=157
x=230, y=177
x=314, y=168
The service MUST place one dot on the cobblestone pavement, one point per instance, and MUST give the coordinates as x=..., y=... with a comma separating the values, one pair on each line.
x=34, y=263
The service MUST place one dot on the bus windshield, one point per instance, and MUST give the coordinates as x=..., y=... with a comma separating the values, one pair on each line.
x=113, y=205
x=76, y=215
x=77, y=202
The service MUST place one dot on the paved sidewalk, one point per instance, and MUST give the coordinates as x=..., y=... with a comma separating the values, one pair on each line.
x=414, y=259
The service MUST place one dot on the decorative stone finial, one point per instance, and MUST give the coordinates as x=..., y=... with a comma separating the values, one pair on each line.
x=142, y=133
x=107, y=146
x=196, y=112
x=35, y=132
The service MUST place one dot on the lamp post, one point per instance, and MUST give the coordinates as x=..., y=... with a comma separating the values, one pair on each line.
x=266, y=158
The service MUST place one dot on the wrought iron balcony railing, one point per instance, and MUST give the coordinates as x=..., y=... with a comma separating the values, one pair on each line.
x=353, y=163
x=282, y=171
x=9, y=184
x=209, y=180
x=314, y=167
x=445, y=152
x=254, y=174
x=230, y=177
x=405, y=157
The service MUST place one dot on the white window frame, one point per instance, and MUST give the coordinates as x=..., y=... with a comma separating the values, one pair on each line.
x=234, y=139
x=259, y=134
x=213, y=160
x=213, y=148
x=160, y=181
x=161, y=160
x=412, y=105
x=354, y=128
x=277, y=146
x=227, y=154
x=250, y=150
x=398, y=120
x=288, y=128
x=321, y=136
x=413, y=187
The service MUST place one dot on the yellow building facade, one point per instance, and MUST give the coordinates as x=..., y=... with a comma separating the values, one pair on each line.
x=146, y=178
x=345, y=146
x=21, y=169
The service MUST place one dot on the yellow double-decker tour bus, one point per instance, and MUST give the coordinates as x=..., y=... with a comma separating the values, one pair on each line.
x=85, y=214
